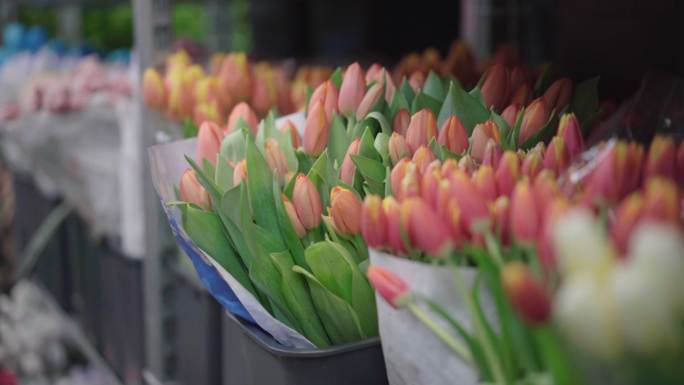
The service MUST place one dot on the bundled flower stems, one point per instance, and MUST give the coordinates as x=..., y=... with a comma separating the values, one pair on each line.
x=429, y=163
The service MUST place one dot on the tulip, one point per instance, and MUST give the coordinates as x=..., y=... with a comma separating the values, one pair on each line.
x=431, y=58
x=569, y=129
x=346, y=210
x=178, y=61
x=373, y=222
x=209, y=90
x=627, y=215
x=240, y=172
x=275, y=158
x=430, y=183
x=327, y=94
x=153, y=90
x=207, y=111
x=296, y=139
x=545, y=189
x=536, y=116
x=520, y=76
x=635, y=165
x=395, y=239
x=417, y=81
x=401, y=121
x=236, y=76
x=532, y=164
x=481, y=135
x=264, y=93
x=460, y=62
x=496, y=87
x=424, y=229
x=374, y=73
x=369, y=100
x=522, y=95
x=466, y=165
x=610, y=178
x=294, y=219
x=559, y=94
x=422, y=129
x=453, y=135
x=352, y=90
x=661, y=158
x=662, y=201
x=348, y=167
x=501, y=211
x=390, y=287
x=680, y=163
x=550, y=215
x=485, y=182
x=193, y=74
x=398, y=173
x=398, y=148
x=525, y=216
x=215, y=62
x=191, y=189
x=492, y=153
x=244, y=111
x=307, y=202
x=526, y=293
x=448, y=168
x=557, y=157
x=181, y=100
x=410, y=185
x=423, y=157
x=508, y=172
x=316, y=131
x=474, y=210
x=298, y=94
x=209, y=138
x=510, y=114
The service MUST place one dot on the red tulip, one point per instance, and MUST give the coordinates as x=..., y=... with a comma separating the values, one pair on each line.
x=545, y=189
x=485, y=182
x=191, y=190
x=569, y=129
x=316, y=131
x=410, y=185
x=397, y=148
x=662, y=201
x=553, y=211
x=474, y=211
x=296, y=139
x=244, y=111
x=466, y=165
x=394, y=226
x=209, y=140
x=510, y=114
x=346, y=210
x=508, y=172
x=348, y=167
x=532, y=164
x=422, y=129
x=522, y=95
x=153, y=90
x=492, y=153
x=661, y=158
x=369, y=100
x=236, y=76
x=525, y=216
x=430, y=183
x=327, y=94
x=559, y=94
x=627, y=216
x=481, y=135
x=526, y=293
x=501, y=209
x=307, y=202
x=424, y=229
x=352, y=91
x=374, y=73
x=557, y=157
x=398, y=173
x=611, y=177
x=520, y=76
x=680, y=162
x=423, y=157
x=496, y=87
x=453, y=135
x=401, y=121
x=392, y=288
x=373, y=222
x=536, y=116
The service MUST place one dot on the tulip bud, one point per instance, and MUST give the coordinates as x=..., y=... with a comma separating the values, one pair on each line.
x=459, y=62
x=466, y=165
x=662, y=201
x=209, y=138
x=550, y=214
x=610, y=178
x=661, y=158
x=453, y=135
x=508, y=172
x=316, y=131
x=395, y=239
x=275, y=158
x=398, y=172
x=369, y=100
x=401, y=121
x=346, y=210
x=193, y=74
x=525, y=216
x=236, y=76
x=569, y=129
x=294, y=219
x=626, y=217
x=209, y=90
x=191, y=191
x=557, y=157
x=298, y=95
x=410, y=184
x=481, y=135
x=374, y=73
x=207, y=111
x=178, y=61
x=307, y=202
x=244, y=111
x=430, y=183
x=153, y=90
x=474, y=210
x=545, y=189
x=522, y=95
x=264, y=92
x=327, y=94
x=423, y=157
x=296, y=139
x=536, y=116
x=532, y=164
x=348, y=167
x=422, y=129
x=492, y=153
x=485, y=182
x=448, y=168
x=240, y=172
x=352, y=90
x=417, y=81
x=496, y=87
x=215, y=62
x=373, y=222
x=397, y=148
x=559, y=94
x=510, y=114
x=526, y=293
x=501, y=213
x=520, y=76
x=181, y=100
x=390, y=287
x=424, y=228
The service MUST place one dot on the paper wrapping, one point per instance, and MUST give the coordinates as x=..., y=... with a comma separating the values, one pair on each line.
x=413, y=354
x=168, y=163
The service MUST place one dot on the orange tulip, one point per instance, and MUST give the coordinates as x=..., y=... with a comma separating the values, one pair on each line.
x=294, y=219
x=209, y=90
x=545, y=189
x=207, y=111
x=448, y=168
x=390, y=287
x=401, y=121
x=264, y=92
x=181, y=99
x=453, y=135
x=481, y=135
x=557, y=157
x=661, y=158
x=569, y=129
x=398, y=173
x=430, y=183
x=178, y=60
x=193, y=74
x=496, y=87
x=466, y=165
x=508, y=172
x=191, y=189
x=209, y=138
x=525, y=216
x=526, y=293
x=327, y=94
x=275, y=158
x=348, y=167
x=410, y=184
x=240, y=172
x=236, y=76
x=394, y=226
x=369, y=100
x=296, y=139
x=307, y=202
x=424, y=229
x=417, y=81
x=423, y=157
x=346, y=210
x=510, y=114
x=474, y=212
x=374, y=73
x=627, y=216
x=215, y=63
x=485, y=182
x=536, y=116
x=352, y=91
x=373, y=222
x=522, y=95
x=397, y=148
x=244, y=111
x=492, y=153
x=501, y=212
x=550, y=214
x=662, y=201
x=422, y=129
x=610, y=178
x=153, y=90
x=533, y=164
x=316, y=131
x=559, y=94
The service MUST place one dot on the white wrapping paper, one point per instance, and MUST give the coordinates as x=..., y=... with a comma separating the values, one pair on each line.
x=413, y=354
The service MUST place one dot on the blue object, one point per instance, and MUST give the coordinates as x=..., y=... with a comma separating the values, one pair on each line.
x=58, y=47
x=35, y=38
x=13, y=36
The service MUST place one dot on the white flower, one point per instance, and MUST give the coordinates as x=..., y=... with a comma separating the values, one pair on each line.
x=581, y=243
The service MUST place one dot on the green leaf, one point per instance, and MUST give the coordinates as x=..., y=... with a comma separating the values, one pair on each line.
x=589, y=123
x=433, y=87
x=465, y=106
x=324, y=167
x=503, y=127
x=388, y=183
x=294, y=244
x=545, y=134
x=321, y=187
x=436, y=149
x=585, y=99
x=369, y=168
x=304, y=161
x=446, y=154
x=339, y=318
x=298, y=300
x=231, y=205
x=190, y=130
x=352, y=189
x=514, y=134
x=269, y=130
x=259, y=179
x=336, y=78
x=382, y=146
x=224, y=173
x=543, y=82
x=422, y=101
x=384, y=124
x=233, y=146
x=338, y=140
x=367, y=146
x=397, y=103
x=405, y=88
x=477, y=94
x=446, y=83
x=309, y=92
x=289, y=188
x=242, y=124
x=208, y=168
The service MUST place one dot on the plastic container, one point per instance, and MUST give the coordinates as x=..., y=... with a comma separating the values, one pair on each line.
x=252, y=357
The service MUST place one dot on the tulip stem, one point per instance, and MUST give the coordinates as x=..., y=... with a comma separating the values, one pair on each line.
x=478, y=324
x=493, y=248
x=450, y=341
